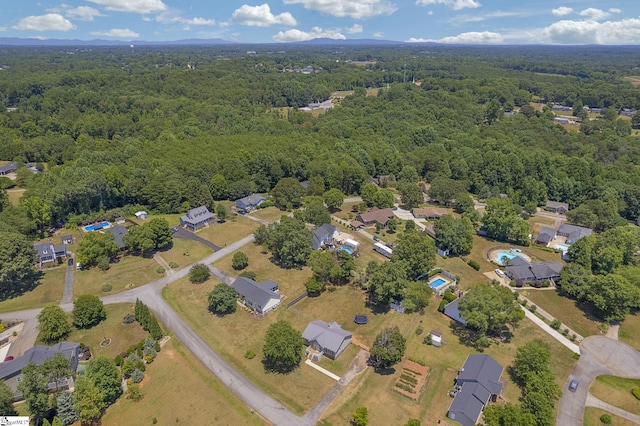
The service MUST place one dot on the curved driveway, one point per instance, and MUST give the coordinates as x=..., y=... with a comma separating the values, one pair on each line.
x=599, y=355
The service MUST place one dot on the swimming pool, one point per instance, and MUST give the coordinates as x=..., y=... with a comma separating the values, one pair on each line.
x=96, y=226
x=437, y=282
x=562, y=247
x=506, y=254
x=347, y=249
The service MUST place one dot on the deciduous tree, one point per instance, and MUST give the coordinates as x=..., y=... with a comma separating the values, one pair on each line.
x=222, y=299
x=199, y=273
x=488, y=307
x=53, y=324
x=106, y=377
x=283, y=347
x=333, y=198
x=417, y=250
x=88, y=310
x=95, y=246
x=388, y=348
x=17, y=259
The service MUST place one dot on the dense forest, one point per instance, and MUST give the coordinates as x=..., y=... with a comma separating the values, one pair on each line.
x=171, y=128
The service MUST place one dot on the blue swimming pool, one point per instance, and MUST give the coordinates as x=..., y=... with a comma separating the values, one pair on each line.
x=505, y=254
x=96, y=226
x=437, y=282
x=347, y=249
x=562, y=247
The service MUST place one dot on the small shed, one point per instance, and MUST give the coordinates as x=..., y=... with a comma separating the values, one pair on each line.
x=436, y=338
x=67, y=239
x=141, y=214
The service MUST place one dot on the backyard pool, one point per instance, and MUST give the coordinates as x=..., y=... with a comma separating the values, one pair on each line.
x=96, y=226
x=347, y=249
x=562, y=247
x=437, y=282
x=506, y=254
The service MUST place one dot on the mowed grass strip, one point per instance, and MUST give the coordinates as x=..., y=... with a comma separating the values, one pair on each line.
x=178, y=389
x=48, y=291
x=232, y=335
x=629, y=331
x=617, y=391
x=566, y=310
x=128, y=272
x=592, y=418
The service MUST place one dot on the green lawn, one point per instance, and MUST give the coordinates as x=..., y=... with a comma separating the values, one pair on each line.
x=592, y=418
x=14, y=196
x=566, y=310
x=233, y=229
x=270, y=214
x=178, y=375
x=617, y=391
x=184, y=252
x=629, y=331
x=48, y=291
x=128, y=272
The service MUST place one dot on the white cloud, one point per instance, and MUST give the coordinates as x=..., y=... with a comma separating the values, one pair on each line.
x=356, y=9
x=615, y=10
x=261, y=16
x=455, y=4
x=355, y=29
x=378, y=34
x=137, y=6
x=485, y=37
x=171, y=18
x=118, y=33
x=81, y=13
x=430, y=12
x=626, y=31
x=562, y=11
x=3, y=29
x=491, y=15
x=595, y=14
x=48, y=22
x=198, y=21
x=316, y=32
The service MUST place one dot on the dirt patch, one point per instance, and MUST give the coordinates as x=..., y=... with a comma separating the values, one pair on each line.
x=412, y=379
x=169, y=353
x=144, y=381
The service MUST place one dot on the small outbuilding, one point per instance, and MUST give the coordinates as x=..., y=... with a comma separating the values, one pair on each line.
x=67, y=239
x=141, y=214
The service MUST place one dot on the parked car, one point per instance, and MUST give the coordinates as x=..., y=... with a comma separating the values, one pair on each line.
x=174, y=229
x=70, y=261
x=9, y=358
x=573, y=385
x=376, y=238
x=499, y=273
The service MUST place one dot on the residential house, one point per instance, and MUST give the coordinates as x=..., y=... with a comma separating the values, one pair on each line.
x=557, y=207
x=326, y=337
x=451, y=310
x=8, y=168
x=573, y=232
x=375, y=215
x=324, y=235
x=430, y=230
x=141, y=215
x=562, y=120
x=196, y=218
x=477, y=383
x=559, y=107
x=11, y=371
x=49, y=252
x=260, y=297
x=545, y=236
x=118, y=234
x=429, y=212
x=523, y=272
x=250, y=202
x=381, y=180
x=357, y=225
x=67, y=239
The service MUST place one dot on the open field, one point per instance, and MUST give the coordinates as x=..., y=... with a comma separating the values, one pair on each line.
x=14, y=196
x=468, y=276
x=130, y=271
x=232, y=335
x=617, y=391
x=566, y=310
x=184, y=252
x=629, y=331
x=208, y=402
x=592, y=418
x=635, y=80
x=48, y=291
x=270, y=214
x=233, y=229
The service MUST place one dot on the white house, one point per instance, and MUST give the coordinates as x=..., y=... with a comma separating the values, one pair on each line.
x=259, y=297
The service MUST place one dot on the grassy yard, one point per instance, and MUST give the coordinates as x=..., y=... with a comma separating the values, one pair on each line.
x=270, y=214
x=629, y=331
x=176, y=253
x=592, y=418
x=208, y=401
x=617, y=391
x=48, y=291
x=232, y=230
x=232, y=335
x=458, y=267
x=564, y=309
x=14, y=196
x=130, y=271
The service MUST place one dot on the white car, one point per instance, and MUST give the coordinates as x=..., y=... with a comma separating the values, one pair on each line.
x=499, y=273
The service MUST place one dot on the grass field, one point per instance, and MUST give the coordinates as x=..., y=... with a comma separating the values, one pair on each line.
x=48, y=291
x=592, y=418
x=130, y=271
x=565, y=310
x=14, y=196
x=176, y=253
x=270, y=214
x=617, y=391
x=204, y=400
x=629, y=331
x=232, y=230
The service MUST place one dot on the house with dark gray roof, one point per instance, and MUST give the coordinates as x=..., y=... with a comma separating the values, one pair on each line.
x=260, y=297
x=573, y=232
x=477, y=383
x=11, y=371
x=8, y=168
x=250, y=202
x=49, y=252
x=557, y=207
x=324, y=235
x=545, y=236
x=451, y=310
x=523, y=272
x=118, y=234
x=326, y=337
x=197, y=218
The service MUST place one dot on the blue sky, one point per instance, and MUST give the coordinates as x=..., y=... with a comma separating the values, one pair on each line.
x=445, y=21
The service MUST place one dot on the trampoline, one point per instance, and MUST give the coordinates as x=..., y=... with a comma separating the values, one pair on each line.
x=360, y=319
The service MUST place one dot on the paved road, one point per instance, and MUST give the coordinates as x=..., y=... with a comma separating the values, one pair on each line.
x=599, y=355
x=188, y=235
x=67, y=295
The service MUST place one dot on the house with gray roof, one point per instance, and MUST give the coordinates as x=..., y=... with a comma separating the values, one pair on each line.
x=326, y=337
x=451, y=310
x=67, y=239
x=376, y=215
x=545, y=236
x=8, y=168
x=324, y=236
x=49, y=252
x=250, y=202
x=11, y=371
x=524, y=272
x=557, y=207
x=197, y=218
x=573, y=232
x=260, y=297
x=477, y=383
x=118, y=234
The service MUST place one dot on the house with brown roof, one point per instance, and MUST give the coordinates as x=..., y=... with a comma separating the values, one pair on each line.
x=429, y=212
x=375, y=215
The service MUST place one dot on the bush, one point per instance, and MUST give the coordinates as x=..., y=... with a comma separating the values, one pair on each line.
x=533, y=308
x=475, y=265
x=137, y=376
x=636, y=392
x=605, y=419
x=134, y=393
x=419, y=331
x=249, y=274
x=128, y=319
x=107, y=287
x=448, y=296
x=103, y=265
x=199, y=273
x=441, y=306
x=160, y=270
x=239, y=261
x=250, y=354
x=118, y=360
x=173, y=265
x=565, y=331
x=555, y=324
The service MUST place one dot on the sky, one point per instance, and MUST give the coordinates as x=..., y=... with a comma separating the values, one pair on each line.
x=444, y=21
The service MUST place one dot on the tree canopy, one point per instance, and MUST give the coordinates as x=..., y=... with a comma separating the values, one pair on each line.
x=488, y=307
x=222, y=299
x=53, y=324
x=88, y=310
x=388, y=348
x=17, y=260
x=283, y=347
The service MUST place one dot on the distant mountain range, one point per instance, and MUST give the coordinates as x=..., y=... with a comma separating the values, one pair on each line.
x=12, y=41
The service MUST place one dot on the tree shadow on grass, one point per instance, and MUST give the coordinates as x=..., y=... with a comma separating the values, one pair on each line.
x=278, y=368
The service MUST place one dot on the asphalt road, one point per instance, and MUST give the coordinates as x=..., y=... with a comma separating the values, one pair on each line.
x=188, y=235
x=599, y=355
